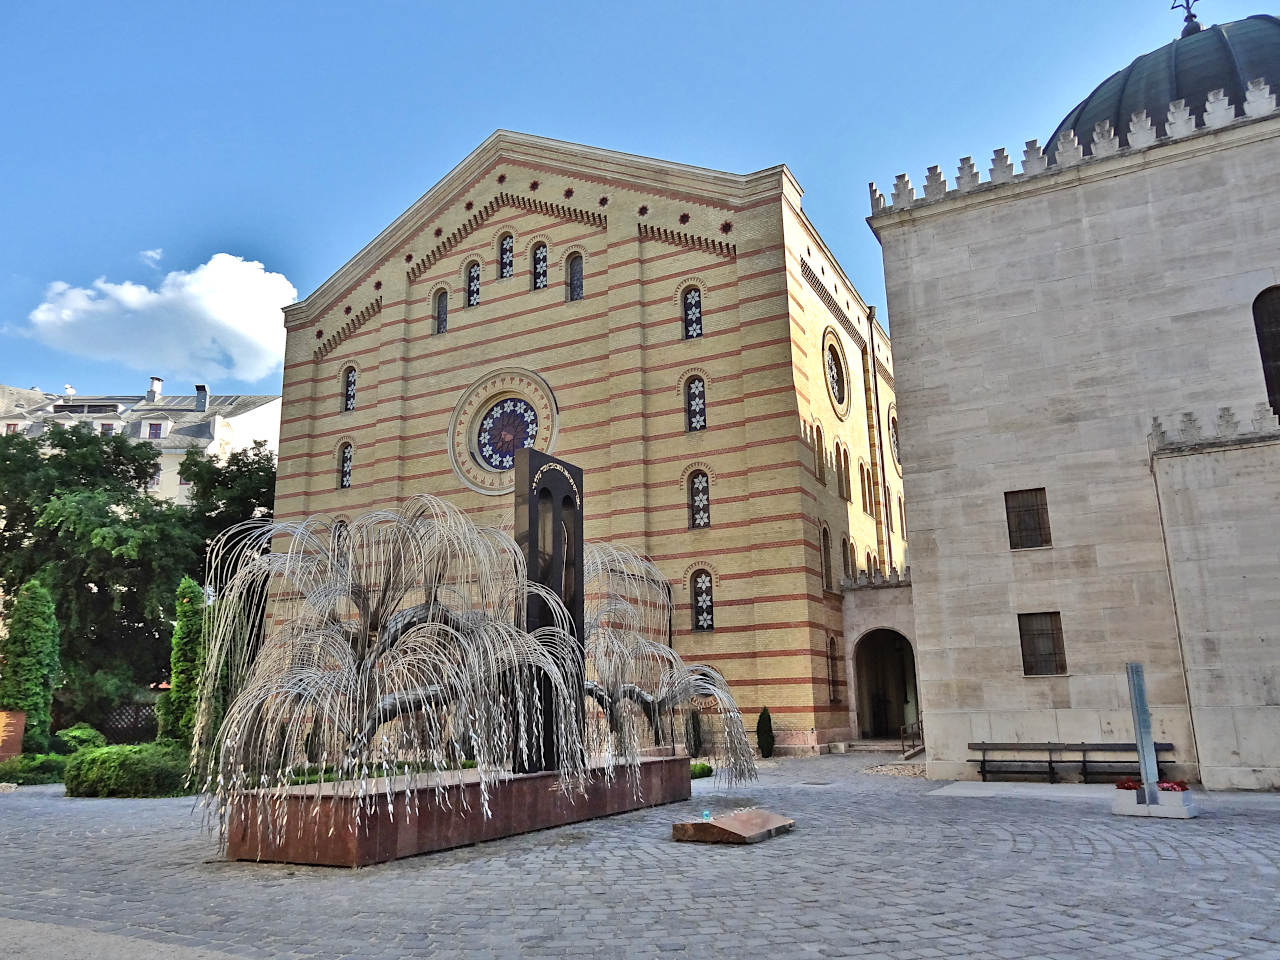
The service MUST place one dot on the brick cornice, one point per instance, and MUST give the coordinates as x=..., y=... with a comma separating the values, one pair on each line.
x=677, y=238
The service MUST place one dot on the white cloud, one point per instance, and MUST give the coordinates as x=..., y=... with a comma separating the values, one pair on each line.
x=222, y=319
x=152, y=258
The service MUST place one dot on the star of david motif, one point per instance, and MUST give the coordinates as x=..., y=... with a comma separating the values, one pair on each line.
x=509, y=425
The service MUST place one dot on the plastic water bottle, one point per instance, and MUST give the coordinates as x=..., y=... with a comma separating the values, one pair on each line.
x=706, y=814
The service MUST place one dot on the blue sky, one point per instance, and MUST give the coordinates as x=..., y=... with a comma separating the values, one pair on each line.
x=142, y=140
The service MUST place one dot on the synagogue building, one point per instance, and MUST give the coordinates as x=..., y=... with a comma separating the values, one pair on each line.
x=681, y=334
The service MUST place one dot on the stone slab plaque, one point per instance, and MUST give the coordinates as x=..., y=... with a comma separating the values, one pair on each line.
x=743, y=826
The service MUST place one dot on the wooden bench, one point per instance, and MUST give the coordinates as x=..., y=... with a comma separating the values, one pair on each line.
x=1056, y=756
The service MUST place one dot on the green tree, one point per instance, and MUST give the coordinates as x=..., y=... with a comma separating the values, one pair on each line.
x=176, y=710
x=764, y=733
x=29, y=663
x=239, y=487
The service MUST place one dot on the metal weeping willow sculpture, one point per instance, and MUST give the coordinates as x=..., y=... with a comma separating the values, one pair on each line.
x=384, y=661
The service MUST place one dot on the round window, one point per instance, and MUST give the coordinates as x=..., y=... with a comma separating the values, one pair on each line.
x=893, y=439
x=835, y=375
x=509, y=425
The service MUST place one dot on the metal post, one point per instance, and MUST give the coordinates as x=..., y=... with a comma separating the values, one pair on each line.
x=1150, y=792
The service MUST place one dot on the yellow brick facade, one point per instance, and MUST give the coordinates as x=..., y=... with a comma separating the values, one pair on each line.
x=615, y=364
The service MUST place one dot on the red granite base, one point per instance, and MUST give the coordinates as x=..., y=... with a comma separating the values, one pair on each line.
x=519, y=805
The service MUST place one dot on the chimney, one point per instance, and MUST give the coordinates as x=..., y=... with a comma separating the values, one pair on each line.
x=202, y=397
x=154, y=393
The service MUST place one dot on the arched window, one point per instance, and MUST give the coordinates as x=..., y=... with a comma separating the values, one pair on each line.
x=473, y=283
x=695, y=404
x=826, y=560
x=702, y=606
x=346, y=458
x=820, y=453
x=902, y=519
x=844, y=557
x=506, y=256
x=863, y=474
x=573, y=277
x=349, y=389
x=699, y=500
x=1266, y=322
x=839, y=458
x=848, y=476
x=869, y=564
x=540, y=267
x=833, y=670
x=442, y=311
x=692, y=299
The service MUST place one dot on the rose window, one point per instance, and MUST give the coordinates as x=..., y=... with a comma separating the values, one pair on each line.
x=509, y=425
x=835, y=375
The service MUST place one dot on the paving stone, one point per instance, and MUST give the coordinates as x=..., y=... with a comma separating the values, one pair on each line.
x=874, y=867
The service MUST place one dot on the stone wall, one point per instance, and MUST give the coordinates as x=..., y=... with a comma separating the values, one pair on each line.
x=1220, y=500
x=1040, y=322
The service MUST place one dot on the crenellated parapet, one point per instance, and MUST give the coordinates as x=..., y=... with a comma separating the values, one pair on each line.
x=1142, y=132
x=1213, y=426
x=877, y=579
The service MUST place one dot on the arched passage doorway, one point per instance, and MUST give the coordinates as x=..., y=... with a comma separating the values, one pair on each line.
x=885, y=670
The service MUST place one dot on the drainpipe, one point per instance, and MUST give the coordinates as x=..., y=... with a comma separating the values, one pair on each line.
x=884, y=478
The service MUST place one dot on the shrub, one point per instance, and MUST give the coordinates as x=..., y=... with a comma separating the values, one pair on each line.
x=176, y=710
x=156, y=769
x=29, y=653
x=78, y=737
x=764, y=733
x=29, y=768
x=698, y=770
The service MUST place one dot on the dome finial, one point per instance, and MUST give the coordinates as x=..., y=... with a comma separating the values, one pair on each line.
x=1190, y=19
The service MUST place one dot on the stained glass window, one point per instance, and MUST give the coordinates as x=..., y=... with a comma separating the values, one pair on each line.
x=540, y=267
x=507, y=256
x=699, y=500
x=509, y=425
x=345, y=460
x=695, y=404
x=835, y=375
x=573, y=276
x=827, y=583
x=701, y=602
x=442, y=311
x=349, y=389
x=692, y=313
x=473, y=284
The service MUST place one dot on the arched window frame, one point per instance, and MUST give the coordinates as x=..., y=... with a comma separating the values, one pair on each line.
x=839, y=465
x=844, y=557
x=574, y=266
x=349, y=389
x=1266, y=324
x=819, y=453
x=346, y=465
x=698, y=488
x=695, y=404
x=691, y=310
x=702, y=600
x=827, y=574
x=870, y=564
x=506, y=256
x=538, y=267
x=473, y=283
x=902, y=519
x=441, y=310
x=833, y=670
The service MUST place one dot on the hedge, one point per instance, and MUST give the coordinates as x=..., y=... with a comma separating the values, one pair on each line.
x=698, y=770
x=176, y=710
x=30, y=768
x=79, y=737
x=156, y=769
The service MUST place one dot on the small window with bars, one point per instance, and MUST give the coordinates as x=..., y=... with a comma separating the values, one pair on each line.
x=1028, y=514
x=1042, y=651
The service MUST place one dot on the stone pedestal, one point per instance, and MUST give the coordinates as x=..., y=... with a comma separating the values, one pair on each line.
x=13, y=724
x=1174, y=804
x=522, y=804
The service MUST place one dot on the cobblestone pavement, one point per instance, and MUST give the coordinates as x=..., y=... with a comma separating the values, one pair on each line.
x=875, y=868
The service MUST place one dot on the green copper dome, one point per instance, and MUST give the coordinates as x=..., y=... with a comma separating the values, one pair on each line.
x=1221, y=57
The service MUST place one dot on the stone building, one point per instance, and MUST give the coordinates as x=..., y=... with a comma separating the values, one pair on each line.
x=215, y=425
x=681, y=334
x=1088, y=357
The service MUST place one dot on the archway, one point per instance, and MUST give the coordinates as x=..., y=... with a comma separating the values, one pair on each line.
x=885, y=671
